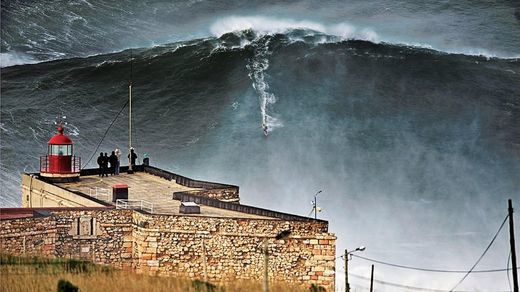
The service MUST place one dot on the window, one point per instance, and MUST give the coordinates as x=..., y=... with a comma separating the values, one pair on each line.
x=60, y=150
x=83, y=228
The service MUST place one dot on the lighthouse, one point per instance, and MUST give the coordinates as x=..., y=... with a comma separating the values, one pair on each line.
x=60, y=164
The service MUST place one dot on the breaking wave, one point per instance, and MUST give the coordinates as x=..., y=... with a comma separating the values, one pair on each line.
x=296, y=65
x=12, y=59
x=267, y=25
x=78, y=37
x=392, y=126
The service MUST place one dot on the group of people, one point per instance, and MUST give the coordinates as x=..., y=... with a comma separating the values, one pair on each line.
x=110, y=164
x=104, y=160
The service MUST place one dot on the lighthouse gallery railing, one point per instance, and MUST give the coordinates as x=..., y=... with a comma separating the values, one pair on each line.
x=75, y=165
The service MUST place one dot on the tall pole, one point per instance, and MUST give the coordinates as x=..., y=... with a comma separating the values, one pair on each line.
x=372, y=279
x=130, y=170
x=266, y=264
x=316, y=207
x=316, y=204
x=347, y=285
x=130, y=127
x=512, y=243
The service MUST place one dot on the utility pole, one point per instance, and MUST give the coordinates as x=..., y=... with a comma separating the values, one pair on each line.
x=512, y=243
x=265, y=244
x=347, y=285
x=372, y=279
x=347, y=254
x=315, y=208
x=266, y=265
x=315, y=204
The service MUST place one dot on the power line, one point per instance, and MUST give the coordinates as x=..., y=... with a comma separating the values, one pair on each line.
x=105, y=134
x=483, y=254
x=403, y=286
x=427, y=269
x=407, y=286
x=310, y=213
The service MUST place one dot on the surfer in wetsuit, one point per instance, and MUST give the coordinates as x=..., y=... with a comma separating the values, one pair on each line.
x=264, y=127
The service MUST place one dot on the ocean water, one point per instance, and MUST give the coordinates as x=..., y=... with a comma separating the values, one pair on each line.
x=405, y=114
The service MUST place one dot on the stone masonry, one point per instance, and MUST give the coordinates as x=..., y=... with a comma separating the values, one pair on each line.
x=217, y=249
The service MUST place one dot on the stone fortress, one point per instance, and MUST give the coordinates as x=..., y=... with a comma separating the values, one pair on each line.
x=153, y=221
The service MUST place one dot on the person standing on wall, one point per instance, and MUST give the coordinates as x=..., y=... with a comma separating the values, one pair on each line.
x=132, y=156
x=118, y=163
x=113, y=162
x=100, y=160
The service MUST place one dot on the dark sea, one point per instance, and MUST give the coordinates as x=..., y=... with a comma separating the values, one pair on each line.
x=405, y=113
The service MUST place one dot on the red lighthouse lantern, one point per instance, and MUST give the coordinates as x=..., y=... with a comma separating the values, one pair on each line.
x=60, y=163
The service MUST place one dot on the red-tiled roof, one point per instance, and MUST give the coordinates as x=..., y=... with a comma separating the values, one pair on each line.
x=17, y=213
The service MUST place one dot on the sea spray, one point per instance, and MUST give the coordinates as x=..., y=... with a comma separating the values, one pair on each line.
x=257, y=67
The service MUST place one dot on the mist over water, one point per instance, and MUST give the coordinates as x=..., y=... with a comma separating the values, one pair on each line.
x=416, y=150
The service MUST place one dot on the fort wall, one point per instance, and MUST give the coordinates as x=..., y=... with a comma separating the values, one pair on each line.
x=28, y=236
x=227, y=249
x=215, y=248
x=211, y=248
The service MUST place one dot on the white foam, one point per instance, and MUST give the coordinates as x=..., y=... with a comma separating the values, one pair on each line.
x=13, y=58
x=257, y=67
x=260, y=24
x=270, y=25
x=3, y=128
x=343, y=30
x=348, y=31
x=107, y=62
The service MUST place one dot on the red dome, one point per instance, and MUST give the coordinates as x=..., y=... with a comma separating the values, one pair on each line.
x=60, y=139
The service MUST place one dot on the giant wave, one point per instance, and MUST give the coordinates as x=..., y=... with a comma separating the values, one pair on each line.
x=381, y=128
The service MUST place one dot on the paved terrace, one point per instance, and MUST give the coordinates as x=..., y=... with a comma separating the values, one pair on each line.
x=150, y=188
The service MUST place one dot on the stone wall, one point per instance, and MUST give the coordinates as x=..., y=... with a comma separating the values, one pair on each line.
x=224, y=249
x=30, y=236
x=101, y=236
x=211, y=248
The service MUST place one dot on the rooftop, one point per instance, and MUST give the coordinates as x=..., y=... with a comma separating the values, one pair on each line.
x=150, y=192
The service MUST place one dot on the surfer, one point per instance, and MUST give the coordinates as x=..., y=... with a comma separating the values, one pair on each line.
x=264, y=126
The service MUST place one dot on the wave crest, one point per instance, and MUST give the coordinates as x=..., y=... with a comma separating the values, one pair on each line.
x=13, y=58
x=270, y=25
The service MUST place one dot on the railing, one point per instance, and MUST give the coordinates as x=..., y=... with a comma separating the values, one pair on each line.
x=188, y=182
x=61, y=164
x=135, y=205
x=192, y=197
x=44, y=163
x=99, y=193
